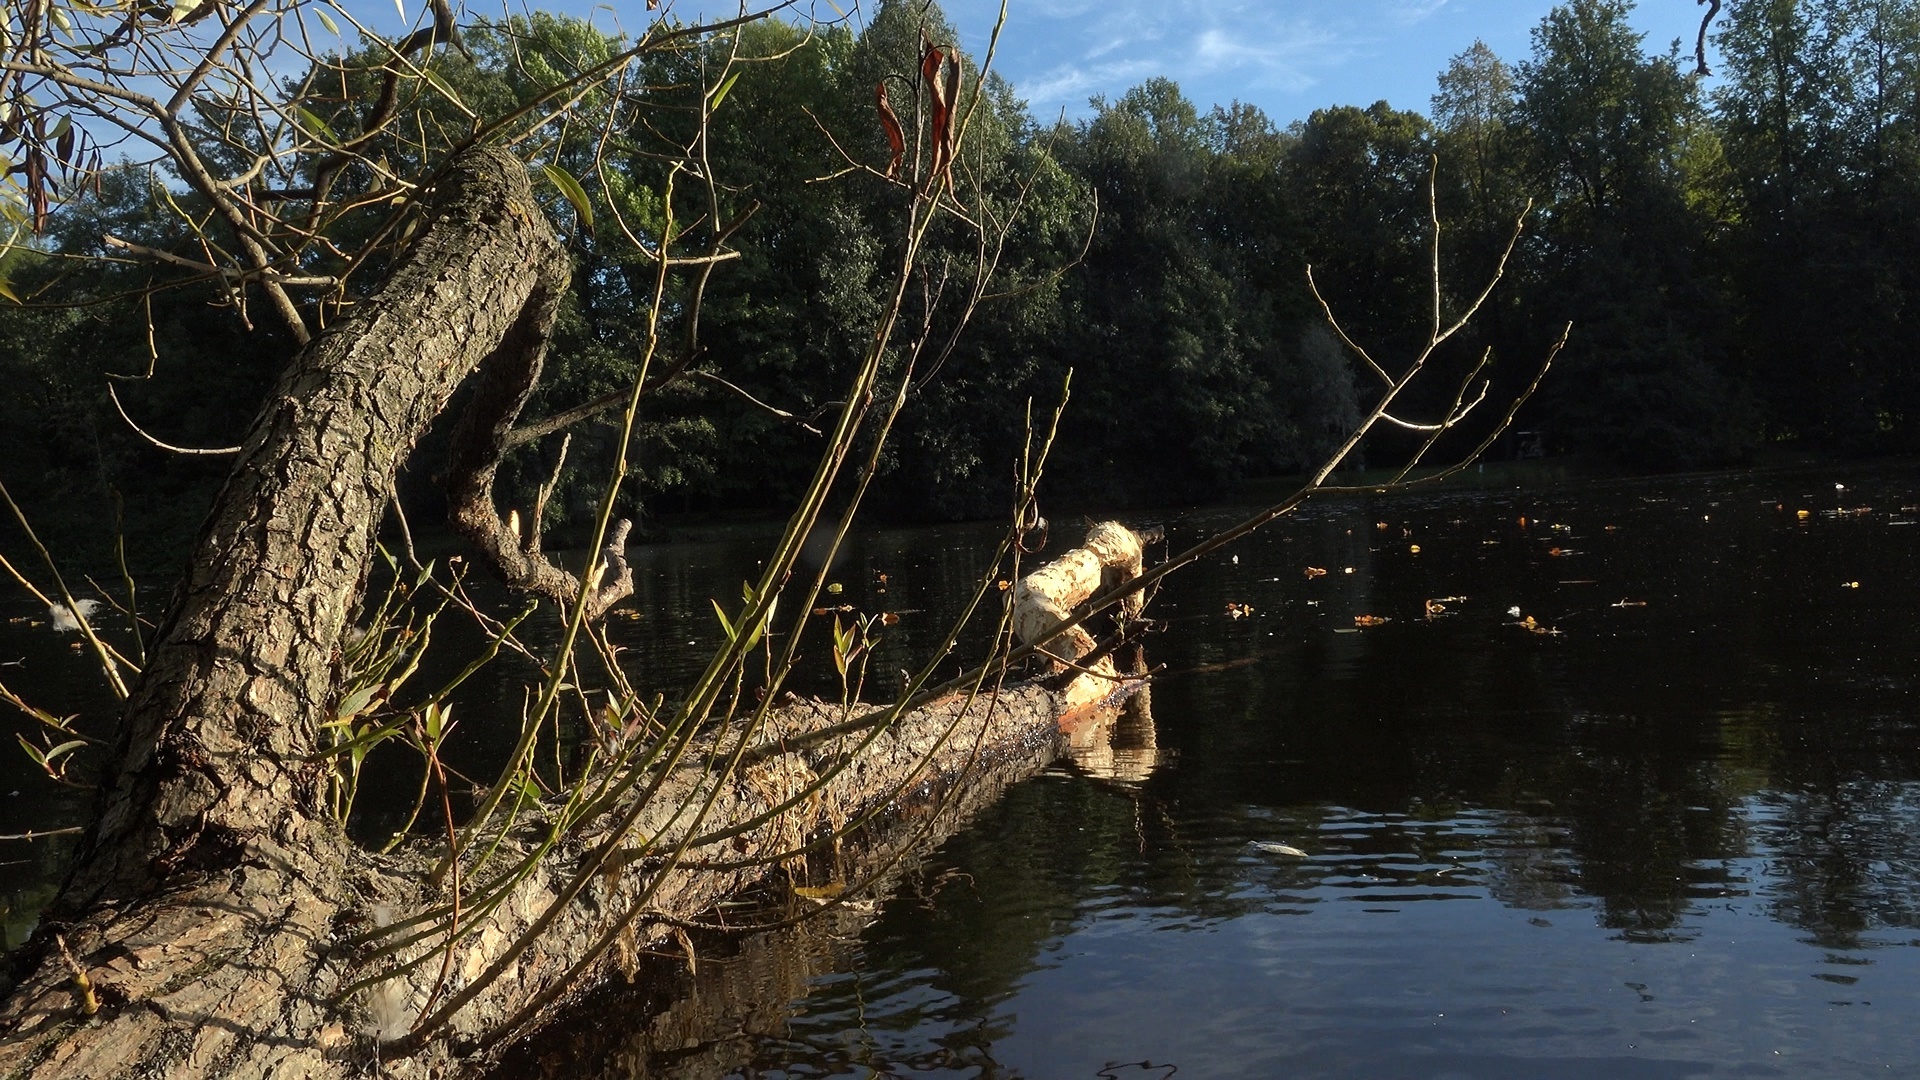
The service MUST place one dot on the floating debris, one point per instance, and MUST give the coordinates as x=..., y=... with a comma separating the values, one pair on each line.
x=1316, y=571
x=1270, y=847
x=1626, y=603
x=1238, y=611
x=63, y=618
x=1371, y=620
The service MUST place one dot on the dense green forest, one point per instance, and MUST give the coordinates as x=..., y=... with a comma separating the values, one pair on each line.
x=1739, y=265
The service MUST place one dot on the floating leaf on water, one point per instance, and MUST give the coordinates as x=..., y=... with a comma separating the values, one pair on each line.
x=1514, y=611
x=888, y=618
x=1803, y=514
x=1346, y=569
x=819, y=892
x=1004, y=584
x=1371, y=620
x=833, y=588
x=1413, y=549
x=1849, y=584
x=1269, y=847
x=1238, y=611
x=1315, y=571
x=1381, y=525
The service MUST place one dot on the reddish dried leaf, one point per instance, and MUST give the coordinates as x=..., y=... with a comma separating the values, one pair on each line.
x=890, y=122
x=940, y=70
x=947, y=128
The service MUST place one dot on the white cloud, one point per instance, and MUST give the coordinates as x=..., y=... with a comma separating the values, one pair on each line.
x=1409, y=12
x=1288, y=56
x=1063, y=51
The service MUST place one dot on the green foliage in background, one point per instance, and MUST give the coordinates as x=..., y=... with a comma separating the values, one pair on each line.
x=1738, y=268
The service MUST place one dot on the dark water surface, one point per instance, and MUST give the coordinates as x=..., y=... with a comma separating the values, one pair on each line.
x=1679, y=835
x=1678, y=839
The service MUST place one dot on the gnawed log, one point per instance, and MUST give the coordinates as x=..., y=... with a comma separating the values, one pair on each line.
x=256, y=989
x=1111, y=555
x=705, y=1018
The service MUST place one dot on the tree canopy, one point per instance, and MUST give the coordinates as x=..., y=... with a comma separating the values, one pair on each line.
x=1734, y=262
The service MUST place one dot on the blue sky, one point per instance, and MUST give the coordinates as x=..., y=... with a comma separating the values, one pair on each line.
x=1289, y=57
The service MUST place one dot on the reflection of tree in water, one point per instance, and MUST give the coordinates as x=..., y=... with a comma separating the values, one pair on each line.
x=1528, y=866
x=1647, y=822
x=1843, y=859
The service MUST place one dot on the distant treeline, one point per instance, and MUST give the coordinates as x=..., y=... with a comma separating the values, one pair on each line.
x=1741, y=267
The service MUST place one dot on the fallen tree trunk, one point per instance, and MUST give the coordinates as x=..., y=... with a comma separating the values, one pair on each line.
x=218, y=920
x=260, y=987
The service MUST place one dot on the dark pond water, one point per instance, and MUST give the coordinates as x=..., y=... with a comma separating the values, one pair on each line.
x=1678, y=835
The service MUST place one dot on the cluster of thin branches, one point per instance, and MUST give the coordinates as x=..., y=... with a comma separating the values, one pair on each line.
x=279, y=132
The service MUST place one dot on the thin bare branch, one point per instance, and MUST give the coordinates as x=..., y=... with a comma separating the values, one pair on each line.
x=218, y=451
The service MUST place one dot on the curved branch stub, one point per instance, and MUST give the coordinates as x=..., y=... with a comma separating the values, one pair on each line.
x=482, y=438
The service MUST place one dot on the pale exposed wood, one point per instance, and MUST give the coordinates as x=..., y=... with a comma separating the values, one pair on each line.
x=1110, y=554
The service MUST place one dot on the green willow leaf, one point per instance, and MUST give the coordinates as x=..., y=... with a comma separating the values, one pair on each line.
x=574, y=193
x=720, y=94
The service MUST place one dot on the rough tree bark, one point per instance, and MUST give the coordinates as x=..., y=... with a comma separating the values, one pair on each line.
x=211, y=862
x=208, y=927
